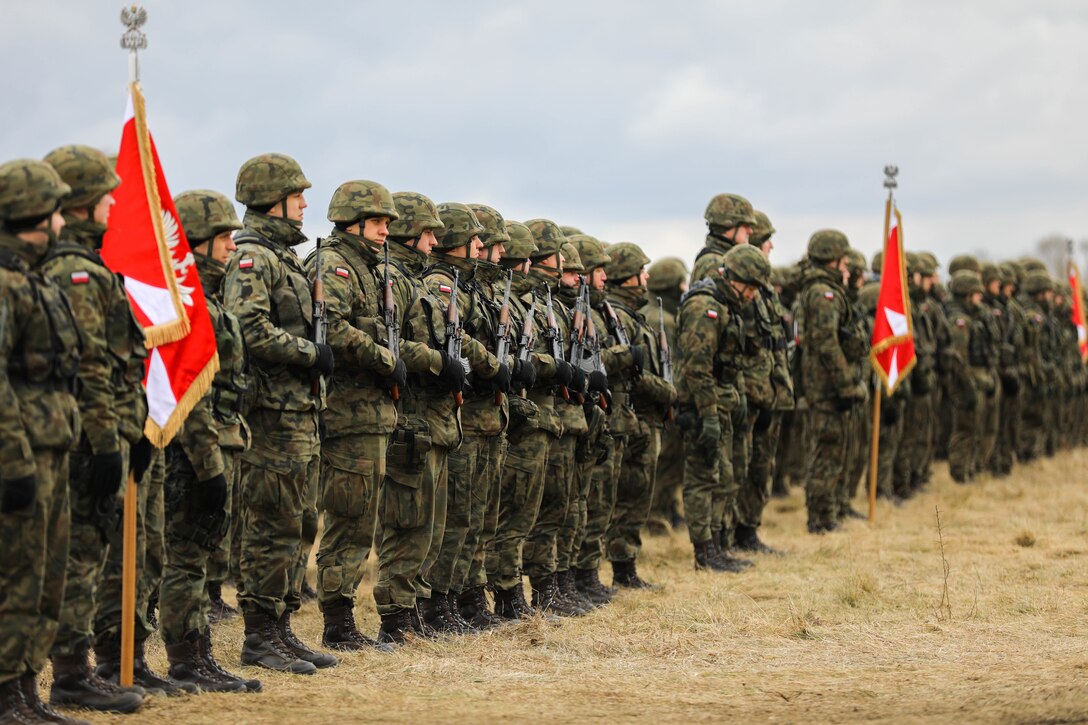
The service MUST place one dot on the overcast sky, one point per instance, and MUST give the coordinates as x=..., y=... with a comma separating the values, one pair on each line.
x=619, y=117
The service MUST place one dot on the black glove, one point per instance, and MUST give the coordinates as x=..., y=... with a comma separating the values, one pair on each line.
x=564, y=373
x=453, y=373
x=106, y=472
x=578, y=381
x=598, y=382
x=501, y=381
x=763, y=420
x=324, y=363
x=889, y=415
x=18, y=494
x=211, y=495
x=139, y=458
x=844, y=404
x=1010, y=386
x=638, y=358
x=525, y=373
x=399, y=376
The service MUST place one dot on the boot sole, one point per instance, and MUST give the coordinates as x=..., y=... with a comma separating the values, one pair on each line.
x=291, y=669
x=74, y=702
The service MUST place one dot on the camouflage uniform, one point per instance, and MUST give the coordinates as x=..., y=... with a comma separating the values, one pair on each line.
x=39, y=422
x=1005, y=324
x=1040, y=372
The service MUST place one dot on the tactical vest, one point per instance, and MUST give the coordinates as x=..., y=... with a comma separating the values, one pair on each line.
x=727, y=371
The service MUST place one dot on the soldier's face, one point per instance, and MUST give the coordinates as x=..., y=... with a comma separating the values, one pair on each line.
x=570, y=279
x=295, y=203
x=742, y=233
x=844, y=267
x=222, y=246
x=376, y=229
x=493, y=253
x=927, y=284
x=1009, y=290
x=976, y=299
x=766, y=247
x=101, y=212
x=597, y=278
x=426, y=242
x=745, y=291
x=474, y=247
x=38, y=236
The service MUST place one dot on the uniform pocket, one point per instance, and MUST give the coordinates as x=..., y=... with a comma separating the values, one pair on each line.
x=521, y=473
x=345, y=486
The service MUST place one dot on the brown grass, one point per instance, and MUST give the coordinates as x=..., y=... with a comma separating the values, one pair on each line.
x=864, y=624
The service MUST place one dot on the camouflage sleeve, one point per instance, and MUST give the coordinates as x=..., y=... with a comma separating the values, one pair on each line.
x=650, y=384
x=247, y=295
x=483, y=361
x=952, y=362
x=699, y=329
x=959, y=346
x=200, y=439
x=16, y=456
x=705, y=266
x=822, y=339
x=347, y=341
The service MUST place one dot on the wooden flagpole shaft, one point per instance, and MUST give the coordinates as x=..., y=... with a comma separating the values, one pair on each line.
x=128, y=585
x=874, y=453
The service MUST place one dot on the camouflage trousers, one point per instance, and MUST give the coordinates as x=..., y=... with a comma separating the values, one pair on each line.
x=990, y=422
x=155, y=535
x=573, y=530
x=310, y=525
x=225, y=562
x=107, y=617
x=483, y=520
x=763, y=429
x=278, y=473
x=600, y=503
x=521, y=490
x=1032, y=440
x=965, y=445
x=790, y=465
x=725, y=517
x=634, y=493
x=352, y=468
x=466, y=497
x=192, y=541
x=708, y=481
x=859, y=444
x=891, y=435
x=414, y=470
x=915, y=449
x=540, y=554
x=670, y=474
x=826, y=439
x=1005, y=449
x=32, y=567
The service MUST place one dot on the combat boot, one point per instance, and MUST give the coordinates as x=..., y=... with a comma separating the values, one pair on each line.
x=13, y=706
x=564, y=582
x=726, y=559
x=473, y=606
x=264, y=648
x=218, y=610
x=340, y=632
x=453, y=610
x=75, y=684
x=625, y=574
x=187, y=666
x=28, y=683
x=107, y=654
x=705, y=560
x=747, y=539
x=588, y=582
x=396, y=627
x=307, y=593
x=546, y=598
x=419, y=625
x=511, y=604
x=435, y=613
x=211, y=664
x=320, y=660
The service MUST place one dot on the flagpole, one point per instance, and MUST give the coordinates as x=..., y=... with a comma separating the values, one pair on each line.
x=890, y=183
x=133, y=40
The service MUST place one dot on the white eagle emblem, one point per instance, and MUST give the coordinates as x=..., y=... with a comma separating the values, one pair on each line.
x=181, y=266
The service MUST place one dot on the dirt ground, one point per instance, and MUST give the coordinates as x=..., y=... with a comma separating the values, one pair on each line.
x=869, y=623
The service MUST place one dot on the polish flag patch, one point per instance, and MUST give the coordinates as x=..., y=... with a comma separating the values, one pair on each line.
x=829, y=295
x=245, y=263
x=445, y=289
x=341, y=272
x=960, y=322
x=712, y=314
x=80, y=277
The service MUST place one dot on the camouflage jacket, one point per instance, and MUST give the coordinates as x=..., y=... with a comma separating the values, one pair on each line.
x=39, y=356
x=199, y=438
x=112, y=401
x=1006, y=326
x=710, y=258
x=973, y=342
x=228, y=394
x=571, y=412
x=651, y=394
x=781, y=330
x=710, y=336
x=832, y=337
x=266, y=288
x=527, y=408
x=357, y=400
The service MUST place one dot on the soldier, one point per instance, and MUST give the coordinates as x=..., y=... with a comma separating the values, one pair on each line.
x=651, y=397
x=113, y=407
x=266, y=288
x=39, y=421
x=832, y=347
x=862, y=297
x=668, y=282
x=1037, y=292
x=1003, y=322
x=457, y=245
x=729, y=220
x=1014, y=374
x=710, y=337
x=360, y=414
x=789, y=462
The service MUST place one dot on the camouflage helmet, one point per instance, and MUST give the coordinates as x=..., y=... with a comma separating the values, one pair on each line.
x=931, y=260
x=990, y=273
x=267, y=179
x=590, y=251
x=493, y=223
x=878, y=263
x=747, y=264
x=521, y=244
x=828, y=245
x=572, y=261
x=569, y=231
x=625, y=260
x=913, y=262
x=1037, y=281
x=762, y=230
x=205, y=214
x=729, y=210
x=548, y=237
x=87, y=171
x=1032, y=264
x=926, y=264
x=460, y=225
x=359, y=200
x=856, y=263
x=416, y=214
x=667, y=273
x=964, y=261
x=29, y=190
x=964, y=283
x=868, y=296
x=1010, y=273
x=786, y=277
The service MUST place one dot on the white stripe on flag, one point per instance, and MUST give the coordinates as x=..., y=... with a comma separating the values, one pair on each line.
x=160, y=396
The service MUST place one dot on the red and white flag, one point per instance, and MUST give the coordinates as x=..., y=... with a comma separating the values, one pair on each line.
x=892, y=353
x=146, y=244
x=1078, y=311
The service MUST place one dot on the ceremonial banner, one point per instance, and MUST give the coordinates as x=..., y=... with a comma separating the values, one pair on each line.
x=1078, y=310
x=892, y=353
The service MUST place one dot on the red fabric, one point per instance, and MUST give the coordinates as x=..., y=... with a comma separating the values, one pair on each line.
x=893, y=334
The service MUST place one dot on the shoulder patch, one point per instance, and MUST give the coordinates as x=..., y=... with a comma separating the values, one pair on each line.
x=445, y=289
x=1038, y=317
x=712, y=314
x=960, y=322
x=80, y=278
x=829, y=295
x=245, y=262
x=343, y=272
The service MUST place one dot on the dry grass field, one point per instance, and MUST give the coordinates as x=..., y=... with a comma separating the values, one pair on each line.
x=863, y=624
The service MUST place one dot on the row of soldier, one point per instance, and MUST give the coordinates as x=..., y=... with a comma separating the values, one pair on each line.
x=482, y=400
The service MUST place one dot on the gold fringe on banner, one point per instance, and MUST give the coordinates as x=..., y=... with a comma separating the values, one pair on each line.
x=161, y=437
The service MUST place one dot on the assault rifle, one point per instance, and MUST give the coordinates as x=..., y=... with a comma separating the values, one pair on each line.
x=502, y=347
x=392, y=324
x=453, y=333
x=320, y=314
x=553, y=334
